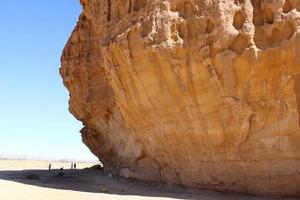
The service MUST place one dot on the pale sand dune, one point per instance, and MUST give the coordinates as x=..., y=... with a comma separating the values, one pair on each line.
x=87, y=184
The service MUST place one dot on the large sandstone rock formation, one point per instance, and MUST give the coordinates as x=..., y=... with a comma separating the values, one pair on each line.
x=203, y=93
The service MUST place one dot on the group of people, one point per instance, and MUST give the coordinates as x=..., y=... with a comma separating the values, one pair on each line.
x=73, y=167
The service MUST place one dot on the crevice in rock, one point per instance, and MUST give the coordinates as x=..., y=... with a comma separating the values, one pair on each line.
x=258, y=16
x=174, y=32
x=239, y=44
x=275, y=38
x=239, y=2
x=210, y=26
x=269, y=15
x=145, y=28
x=238, y=20
x=260, y=39
x=108, y=10
x=182, y=30
x=130, y=5
x=188, y=9
x=287, y=7
x=124, y=9
x=139, y=4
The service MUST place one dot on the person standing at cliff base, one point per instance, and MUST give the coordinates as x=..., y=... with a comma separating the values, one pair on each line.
x=49, y=167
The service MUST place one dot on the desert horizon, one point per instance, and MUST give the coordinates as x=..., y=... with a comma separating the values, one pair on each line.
x=48, y=158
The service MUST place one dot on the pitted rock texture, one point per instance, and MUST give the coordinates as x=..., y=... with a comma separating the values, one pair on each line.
x=203, y=93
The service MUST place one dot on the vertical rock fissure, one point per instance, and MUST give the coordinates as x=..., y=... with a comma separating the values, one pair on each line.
x=108, y=10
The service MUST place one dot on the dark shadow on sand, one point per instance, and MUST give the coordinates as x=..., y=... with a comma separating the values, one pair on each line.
x=95, y=181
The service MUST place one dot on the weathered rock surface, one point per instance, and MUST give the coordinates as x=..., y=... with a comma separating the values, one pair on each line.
x=203, y=93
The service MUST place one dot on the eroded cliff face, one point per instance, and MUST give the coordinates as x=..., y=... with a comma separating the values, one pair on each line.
x=203, y=93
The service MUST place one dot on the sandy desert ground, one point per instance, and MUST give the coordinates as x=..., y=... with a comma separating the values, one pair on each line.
x=30, y=180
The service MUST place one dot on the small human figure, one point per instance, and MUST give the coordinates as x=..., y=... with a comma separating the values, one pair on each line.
x=49, y=167
x=75, y=166
x=61, y=172
x=71, y=166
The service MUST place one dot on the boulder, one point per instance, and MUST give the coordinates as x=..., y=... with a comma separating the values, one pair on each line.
x=201, y=93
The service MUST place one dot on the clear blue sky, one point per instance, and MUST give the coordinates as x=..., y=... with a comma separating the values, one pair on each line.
x=34, y=117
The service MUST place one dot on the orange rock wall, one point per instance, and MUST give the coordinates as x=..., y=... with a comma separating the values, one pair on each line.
x=203, y=93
